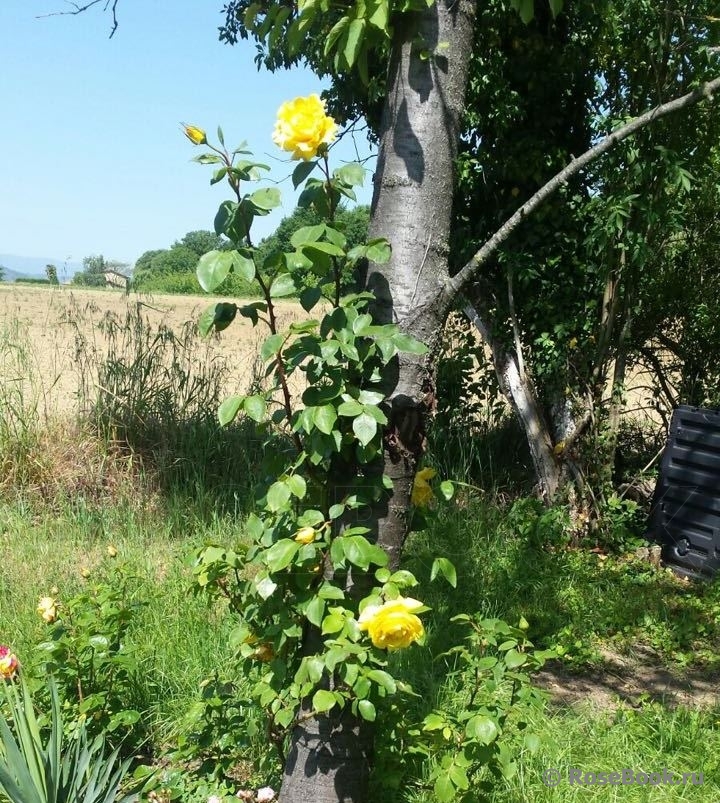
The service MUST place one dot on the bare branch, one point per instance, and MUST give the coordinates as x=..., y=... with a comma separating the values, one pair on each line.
x=78, y=9
x=455, y=285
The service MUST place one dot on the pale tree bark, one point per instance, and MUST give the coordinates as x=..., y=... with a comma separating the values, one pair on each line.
x=330, y=756
x=518, y=389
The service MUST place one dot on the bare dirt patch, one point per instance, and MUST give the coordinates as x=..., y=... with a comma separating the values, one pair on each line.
x=46, y=322
x=633, y=680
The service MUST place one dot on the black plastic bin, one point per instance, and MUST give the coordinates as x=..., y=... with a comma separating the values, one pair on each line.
x=685, y=515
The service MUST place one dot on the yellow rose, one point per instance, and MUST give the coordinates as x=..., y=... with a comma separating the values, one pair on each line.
x=264, y=653
x=306, y=535
x=392, y=625
x=112, y=552
x=85, y=572
x=303, y=127
x=422, y=493
x=196, y=135
x=47, y=608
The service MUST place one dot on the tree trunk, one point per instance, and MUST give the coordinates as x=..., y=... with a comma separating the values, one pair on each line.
x=412, y=202
x=517, y=389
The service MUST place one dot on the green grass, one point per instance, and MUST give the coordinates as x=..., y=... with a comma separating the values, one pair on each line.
x=179, y=638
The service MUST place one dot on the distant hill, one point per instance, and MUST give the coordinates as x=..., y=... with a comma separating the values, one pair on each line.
x=9, y=275
x=34, y=267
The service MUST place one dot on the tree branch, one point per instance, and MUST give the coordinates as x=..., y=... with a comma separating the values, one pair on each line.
x=456, y=284
x=78, y=9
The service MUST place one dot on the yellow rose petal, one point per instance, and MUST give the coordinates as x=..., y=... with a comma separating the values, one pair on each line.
x=303, y=127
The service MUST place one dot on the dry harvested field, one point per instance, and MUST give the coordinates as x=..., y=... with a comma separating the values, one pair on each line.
x=46, y=322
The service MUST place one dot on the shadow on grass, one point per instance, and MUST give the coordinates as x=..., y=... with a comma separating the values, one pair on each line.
x=512, y=565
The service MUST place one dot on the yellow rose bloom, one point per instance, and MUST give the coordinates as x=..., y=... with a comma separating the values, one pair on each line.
x=196, y=135
x=47, y=608
x=264, y=653
x=392, y=625
x=303, y=128
x=306, y=535
x=112, y=552
x=422, y=493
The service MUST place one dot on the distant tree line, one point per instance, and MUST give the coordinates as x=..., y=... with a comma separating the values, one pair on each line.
x=172, y=270
x=94, y=269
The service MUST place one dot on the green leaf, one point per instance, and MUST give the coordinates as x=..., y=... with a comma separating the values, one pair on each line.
x=326, y=248
x=351, y=173
x=218, y=175
x=445, y=567
x=458, y=775
x=307, y=234
x=353, y=41
x=225, y=216
x=297, y=485
x=315, y=611
x=244, y=266
x=556, y=7
x=251, y=311
x=378, y=251
x=255, y=407
x=324, y=418
x=350, y=408
x=482, y=728
x=367, y=710
x=310, y=297
x=335, y=32
x=271, y=346
x=408, y=344
x=364, y=427
x=301, y=172
x=303, y=327
x=229, y=409
x=333, y=623
x=297, y=261
x=329, y=591
x=532, y=742
x=383, y=679
x=281, y=554
x=444, y=788
x=433, y=722
x=379, y=17
x=278, y=496
x=514, y=659
x=218, y=316
x=266, y=198
x=323, y=701
x=526, y=9
x=447, y=489
x=213, y=268
x=283, y=285
x=403, y=578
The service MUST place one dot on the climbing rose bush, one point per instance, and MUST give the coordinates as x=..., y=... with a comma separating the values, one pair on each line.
x=394, y=624
x=304, y=128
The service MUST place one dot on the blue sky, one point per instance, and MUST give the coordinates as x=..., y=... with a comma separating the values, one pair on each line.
x=93, y=160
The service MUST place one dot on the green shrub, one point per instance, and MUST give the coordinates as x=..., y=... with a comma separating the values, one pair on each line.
x=33, y=771
x=89, y=653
